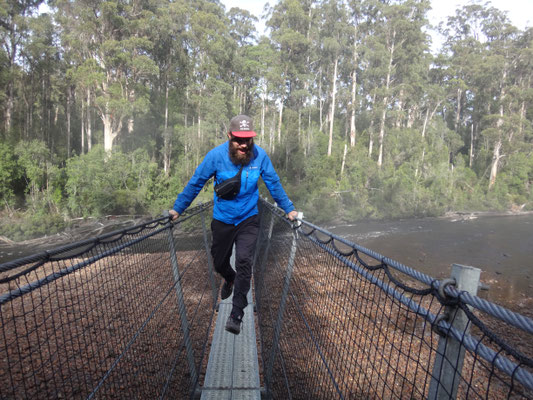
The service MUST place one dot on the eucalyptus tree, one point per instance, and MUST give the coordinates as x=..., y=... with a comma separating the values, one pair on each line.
x=169, y=36
x=42, y=87
x=461, y=59
x=500, y=64
x=289, y=24
x=355, y=19
x=116, y=47
x=246, y=71
x=333, y=44
x=395, y=48
x=13, y=29
x=210, y=51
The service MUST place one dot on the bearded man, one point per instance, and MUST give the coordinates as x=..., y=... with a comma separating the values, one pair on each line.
x=236, y=165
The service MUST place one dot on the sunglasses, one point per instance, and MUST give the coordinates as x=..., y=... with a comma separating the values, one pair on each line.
x=240, y=140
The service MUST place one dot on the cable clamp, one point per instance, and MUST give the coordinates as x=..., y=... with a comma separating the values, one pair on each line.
x=444, y=316
x=443, y=285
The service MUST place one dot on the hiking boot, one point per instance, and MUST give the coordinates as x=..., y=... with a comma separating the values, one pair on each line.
x=227, y=289
x=233, y=325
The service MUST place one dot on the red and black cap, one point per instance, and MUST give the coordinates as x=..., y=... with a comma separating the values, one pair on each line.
x=242, y=126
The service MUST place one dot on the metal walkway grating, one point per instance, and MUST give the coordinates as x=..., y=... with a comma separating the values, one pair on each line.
x=233, y=368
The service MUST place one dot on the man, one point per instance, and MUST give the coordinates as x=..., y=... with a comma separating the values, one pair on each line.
x=235, y=219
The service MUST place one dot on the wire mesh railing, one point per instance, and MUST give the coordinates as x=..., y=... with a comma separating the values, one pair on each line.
x=129, y=314
x=123, y=315
x=337, y=320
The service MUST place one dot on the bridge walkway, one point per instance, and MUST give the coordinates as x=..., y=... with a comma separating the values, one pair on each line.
x=233, y=367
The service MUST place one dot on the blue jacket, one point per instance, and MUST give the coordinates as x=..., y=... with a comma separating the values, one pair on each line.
x=218, y=164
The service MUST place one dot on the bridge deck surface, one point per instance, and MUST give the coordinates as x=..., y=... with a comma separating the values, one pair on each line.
x=233, y=368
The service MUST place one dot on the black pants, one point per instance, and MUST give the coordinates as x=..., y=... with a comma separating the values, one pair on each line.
x=244, y=236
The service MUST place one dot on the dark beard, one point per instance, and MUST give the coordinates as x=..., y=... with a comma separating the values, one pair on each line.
x=237, y=159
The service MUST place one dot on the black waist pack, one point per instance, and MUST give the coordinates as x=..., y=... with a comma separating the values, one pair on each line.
x=230, y=188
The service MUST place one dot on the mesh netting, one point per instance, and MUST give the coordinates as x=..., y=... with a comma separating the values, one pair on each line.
x=337, y=323
x=102, y=318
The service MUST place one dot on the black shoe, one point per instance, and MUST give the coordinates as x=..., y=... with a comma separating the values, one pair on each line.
x=233, y=325
x=227, y=289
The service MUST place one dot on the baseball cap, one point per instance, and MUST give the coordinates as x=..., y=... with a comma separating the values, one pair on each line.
x=242, y=126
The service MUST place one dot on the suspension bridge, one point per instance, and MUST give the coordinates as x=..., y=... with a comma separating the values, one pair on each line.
x=135, y=313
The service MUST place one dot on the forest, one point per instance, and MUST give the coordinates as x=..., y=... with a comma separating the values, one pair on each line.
x=108, y=106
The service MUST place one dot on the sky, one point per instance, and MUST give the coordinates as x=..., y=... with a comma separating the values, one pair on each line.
x=520, y=12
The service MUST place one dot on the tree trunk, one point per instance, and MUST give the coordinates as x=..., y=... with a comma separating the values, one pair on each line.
x=69, y=102
x=82, y=126
x=496, y=153
x=343, y=159
x=458, y=113
x=167, y=146
x=471, y=152
x=385, y=102
x=89, y=122
x=332, y=111
x=495, y=163
x=371, y=131
x=10, y=101
x=353, y=132
x=429, y=117
x=280, y=120
x=262, y=138
x=299, y=125
x=320, y=101
x=109, y=132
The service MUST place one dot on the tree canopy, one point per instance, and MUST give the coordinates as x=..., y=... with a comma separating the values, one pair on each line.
x=108, y=106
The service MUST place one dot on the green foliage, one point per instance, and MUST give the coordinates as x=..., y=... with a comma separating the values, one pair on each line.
x=157, y=82
x=29, y=225
x=99, y=183
x=9, y=173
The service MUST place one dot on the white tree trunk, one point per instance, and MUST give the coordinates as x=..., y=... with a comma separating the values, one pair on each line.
x=69, y=133
x=109, y=133
x=89, y=121
x=83, y=106
x=167, y=147
x=353, y=132
x=344, y=159
x=496, y=156
x=458, y=112
x=471, y=152
x=385, y=102
x=332, y=111
x=280, y=119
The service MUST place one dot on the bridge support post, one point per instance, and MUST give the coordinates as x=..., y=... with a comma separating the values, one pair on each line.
x=181, y=306
x=281, y=311
x=265, y=255
x=210, y=267
x=449, y=360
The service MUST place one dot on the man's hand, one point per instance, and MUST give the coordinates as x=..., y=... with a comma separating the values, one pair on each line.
x=292, y=215
x=173, y=214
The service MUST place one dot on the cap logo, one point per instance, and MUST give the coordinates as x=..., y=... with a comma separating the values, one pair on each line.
x=244, y=125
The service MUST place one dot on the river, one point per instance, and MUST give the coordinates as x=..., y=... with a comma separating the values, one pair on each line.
x=500, y=245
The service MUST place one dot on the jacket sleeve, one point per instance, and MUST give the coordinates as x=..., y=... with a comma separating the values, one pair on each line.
x=202, y=174
x=273, y=184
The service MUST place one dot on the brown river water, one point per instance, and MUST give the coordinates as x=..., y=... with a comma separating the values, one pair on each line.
x=500, y=245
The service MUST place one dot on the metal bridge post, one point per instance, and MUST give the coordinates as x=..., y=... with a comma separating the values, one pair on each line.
x=209, y=263
x=269, y=236
x=181, y=305
x=281, y=311
x=265, y=255
x=446, y=373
